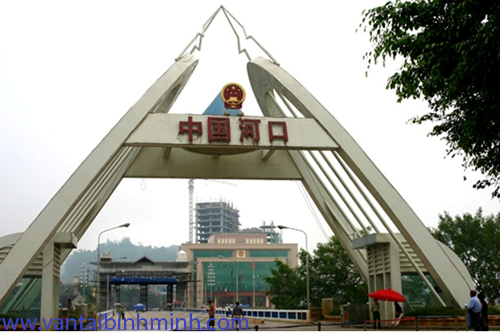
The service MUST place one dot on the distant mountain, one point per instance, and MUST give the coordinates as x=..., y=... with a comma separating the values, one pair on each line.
x=72, y=266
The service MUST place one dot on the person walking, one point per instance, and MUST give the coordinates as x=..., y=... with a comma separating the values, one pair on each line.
x=398, y=314
x=122, y=312
x=376, y=314
x=484, y=312
x=211, y=313
x=474, y=312
x=238, y=314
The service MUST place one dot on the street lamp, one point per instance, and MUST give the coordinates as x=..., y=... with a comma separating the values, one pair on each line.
x=235, y=264
x=125, y=225
x=307, y=269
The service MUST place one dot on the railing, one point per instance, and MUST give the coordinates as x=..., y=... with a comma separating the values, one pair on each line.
x=422, y=322
x=101, y=315
x=276, y=314
x=259, y=313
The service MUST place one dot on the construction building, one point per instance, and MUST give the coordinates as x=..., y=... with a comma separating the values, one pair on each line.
x=272, y=236
x=215, y=217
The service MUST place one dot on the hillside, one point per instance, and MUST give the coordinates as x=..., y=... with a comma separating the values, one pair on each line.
x=124, y=248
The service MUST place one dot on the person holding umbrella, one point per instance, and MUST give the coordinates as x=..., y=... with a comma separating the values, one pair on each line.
x=376, y=314
x=391, y=296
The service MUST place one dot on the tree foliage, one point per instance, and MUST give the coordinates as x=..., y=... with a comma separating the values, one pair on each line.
x=451, y=58
x=476, y=241
x=286, y=288
x=331, y=275
x=72, y=265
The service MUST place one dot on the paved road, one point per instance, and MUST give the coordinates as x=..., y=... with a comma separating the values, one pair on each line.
x=182, y=321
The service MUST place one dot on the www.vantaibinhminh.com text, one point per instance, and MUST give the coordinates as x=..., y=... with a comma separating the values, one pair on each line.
x=129, y=324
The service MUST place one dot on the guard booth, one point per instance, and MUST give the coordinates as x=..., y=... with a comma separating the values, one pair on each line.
x=143, y=272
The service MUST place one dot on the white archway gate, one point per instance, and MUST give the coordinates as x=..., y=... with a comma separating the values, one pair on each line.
x=298, y=140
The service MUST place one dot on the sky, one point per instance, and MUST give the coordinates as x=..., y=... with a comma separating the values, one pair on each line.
x=69, y=70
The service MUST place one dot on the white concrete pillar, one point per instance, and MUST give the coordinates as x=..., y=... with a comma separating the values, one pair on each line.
x=50, y=284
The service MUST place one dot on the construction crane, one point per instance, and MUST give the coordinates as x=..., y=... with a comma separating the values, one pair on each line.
x=191, y=204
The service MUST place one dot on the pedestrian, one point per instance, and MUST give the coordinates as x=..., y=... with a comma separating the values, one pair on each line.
x=238, y=314
x=474, y=312
x=484, y=312
x=122, y=312
x=211, y=313
x=228, y=310
x=376, y=314
x=398, y=314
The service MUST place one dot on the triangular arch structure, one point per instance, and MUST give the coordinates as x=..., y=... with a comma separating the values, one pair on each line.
x=363, y=209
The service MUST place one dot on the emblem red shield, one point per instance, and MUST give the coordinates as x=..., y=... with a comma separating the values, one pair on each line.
x=233, y=96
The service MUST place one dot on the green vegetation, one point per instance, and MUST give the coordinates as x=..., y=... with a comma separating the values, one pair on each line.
x=493, y=310
x=450, y=58
x=474, y=238
x=124, y=248
x=286, y=287
x=331, y=275
x=335, y=312
x=442, y=311
x=436, y=311
x=476, y=241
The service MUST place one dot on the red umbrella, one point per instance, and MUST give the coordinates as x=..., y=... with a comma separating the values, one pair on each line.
x=387, y=295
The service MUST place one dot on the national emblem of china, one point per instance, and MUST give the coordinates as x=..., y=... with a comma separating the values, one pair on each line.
x=233, y=96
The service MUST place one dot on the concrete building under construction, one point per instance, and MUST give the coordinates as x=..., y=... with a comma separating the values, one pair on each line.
x=215, y=217
x=272, y=236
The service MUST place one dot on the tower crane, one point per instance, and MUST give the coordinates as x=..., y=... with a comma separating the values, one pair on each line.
x=191, y=204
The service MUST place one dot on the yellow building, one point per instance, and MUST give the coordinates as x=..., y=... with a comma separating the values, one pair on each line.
x=232, y=267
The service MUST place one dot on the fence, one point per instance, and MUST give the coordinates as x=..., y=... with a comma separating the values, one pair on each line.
x=260, y=313
x=457, y=323
x=101, y=315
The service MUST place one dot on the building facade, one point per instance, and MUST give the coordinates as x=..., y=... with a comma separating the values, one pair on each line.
x=232, y=267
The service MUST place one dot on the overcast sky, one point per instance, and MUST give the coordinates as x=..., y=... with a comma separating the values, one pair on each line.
x=69, y=70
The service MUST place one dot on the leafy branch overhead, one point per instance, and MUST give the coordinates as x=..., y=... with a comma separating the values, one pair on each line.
x=450, y=52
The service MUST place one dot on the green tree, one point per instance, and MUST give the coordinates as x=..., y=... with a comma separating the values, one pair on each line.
x=286, y=287
x=451, y=58
x=476, y=241
x=72, y=265
x=333, y=274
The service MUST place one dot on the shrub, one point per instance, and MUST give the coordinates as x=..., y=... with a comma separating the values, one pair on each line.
x=437, y=311
x=447, y=311
x=335, y=312
x=493, y=310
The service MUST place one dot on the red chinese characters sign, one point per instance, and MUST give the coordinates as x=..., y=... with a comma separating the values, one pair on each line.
x=219, y=129
x=190, y=127
x=250, y=129
x=277, y=131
